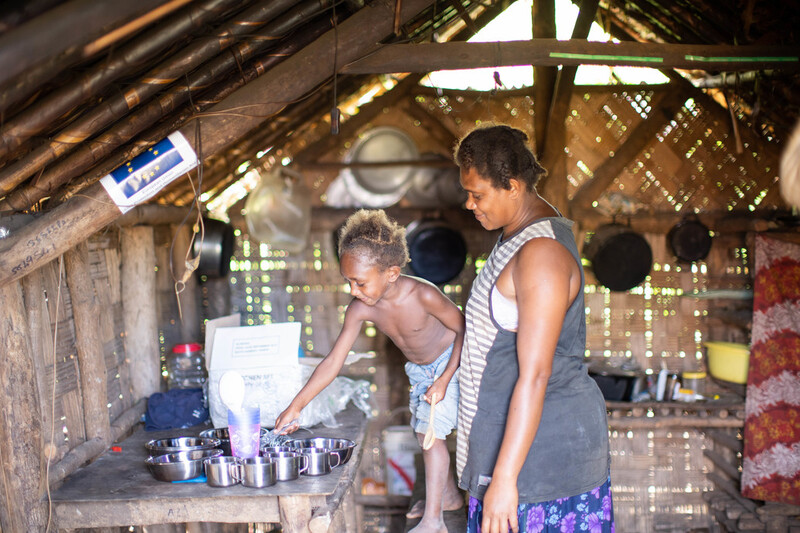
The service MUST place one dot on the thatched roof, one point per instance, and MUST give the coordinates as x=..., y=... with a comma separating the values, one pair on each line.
x=241, y=78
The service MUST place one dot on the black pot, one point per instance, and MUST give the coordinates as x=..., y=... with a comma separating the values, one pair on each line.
x=620, y=258
x=216, y=248
x=438, y=252
x=618, y=385
x=689, y=240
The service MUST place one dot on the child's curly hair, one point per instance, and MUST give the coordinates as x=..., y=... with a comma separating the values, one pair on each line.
x=371, y=233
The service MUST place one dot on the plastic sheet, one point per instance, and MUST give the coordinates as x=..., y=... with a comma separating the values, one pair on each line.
x=272, y=389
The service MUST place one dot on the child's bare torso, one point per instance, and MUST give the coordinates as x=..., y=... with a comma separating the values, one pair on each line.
x=417, y=333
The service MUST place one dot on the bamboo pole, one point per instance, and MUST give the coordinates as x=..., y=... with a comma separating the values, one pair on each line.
x=93, y=151
x=67, y=224
x=216, y=94
x=139, y=313
x=35, y=118
x=21, y=429
x=89, y=345
x=51, y=40
x=117, y=106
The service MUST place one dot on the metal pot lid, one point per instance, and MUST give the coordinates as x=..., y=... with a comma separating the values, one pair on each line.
x=620, y=258
x=379, y=145
x=690, y=240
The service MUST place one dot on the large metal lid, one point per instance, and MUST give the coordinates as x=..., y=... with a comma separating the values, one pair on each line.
x=379, y=145
x=380, y=186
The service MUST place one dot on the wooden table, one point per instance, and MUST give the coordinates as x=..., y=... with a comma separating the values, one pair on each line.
x=117, y=490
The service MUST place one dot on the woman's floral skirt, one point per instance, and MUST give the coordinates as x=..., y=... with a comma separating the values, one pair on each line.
x=590, y=512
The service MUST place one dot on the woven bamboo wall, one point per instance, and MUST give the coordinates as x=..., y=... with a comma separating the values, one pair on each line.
x=58, y=369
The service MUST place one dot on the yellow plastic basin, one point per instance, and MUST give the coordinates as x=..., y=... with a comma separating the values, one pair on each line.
x=728, y=361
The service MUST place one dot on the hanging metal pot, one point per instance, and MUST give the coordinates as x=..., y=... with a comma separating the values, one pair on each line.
x=689, y=240
x=620, y=258
x=216, y=248
x=438, y=252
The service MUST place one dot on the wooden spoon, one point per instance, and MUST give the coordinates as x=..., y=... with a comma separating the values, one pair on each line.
x=430, y=435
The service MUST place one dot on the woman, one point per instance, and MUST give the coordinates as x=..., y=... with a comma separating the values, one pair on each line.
x=538, y=458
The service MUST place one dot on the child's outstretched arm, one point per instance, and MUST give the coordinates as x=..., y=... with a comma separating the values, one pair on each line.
x=446, y=312
x=326, y=371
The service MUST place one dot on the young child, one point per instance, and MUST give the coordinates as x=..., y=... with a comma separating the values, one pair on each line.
x=421, y=321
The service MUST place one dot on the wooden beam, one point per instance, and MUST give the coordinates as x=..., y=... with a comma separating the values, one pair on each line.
x=555, y=136
x=428, y=57
x=722, y=222
x=471, y=26
x=720, y=462
x=66, y=225
x=334, y=165
x=21, y=459
x=544, y=78
x=140, y=316
x=88, y=343
x=642, y=135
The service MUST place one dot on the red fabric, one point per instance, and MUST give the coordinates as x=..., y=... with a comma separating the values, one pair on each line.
x=771, y=462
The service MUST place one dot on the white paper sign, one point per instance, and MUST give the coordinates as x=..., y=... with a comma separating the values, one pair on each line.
x=250, y=347
x=149, y=172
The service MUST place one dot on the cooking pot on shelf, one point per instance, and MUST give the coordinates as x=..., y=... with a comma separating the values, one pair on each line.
x=215, y=249
x=618, y=384
x=438, y=252
x=689, y=240
x=619, y=257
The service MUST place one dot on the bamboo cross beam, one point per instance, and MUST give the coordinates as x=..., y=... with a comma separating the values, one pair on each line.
x=52, y=234
x=429, y=57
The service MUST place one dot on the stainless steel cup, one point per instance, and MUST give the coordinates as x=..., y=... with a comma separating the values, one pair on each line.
x=289, y=465
x=222, y=471
x=320, y=461
x=266, y=450
x=258, y=472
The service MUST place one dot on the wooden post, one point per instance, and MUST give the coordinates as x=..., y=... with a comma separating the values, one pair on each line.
x=89, y=344
x=139, y=310
x=543, y=14
x=21, y=461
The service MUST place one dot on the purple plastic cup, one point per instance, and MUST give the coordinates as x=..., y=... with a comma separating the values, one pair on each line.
x=244, y=428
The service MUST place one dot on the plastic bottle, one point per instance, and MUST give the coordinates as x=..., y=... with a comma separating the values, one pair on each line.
x=186, y=367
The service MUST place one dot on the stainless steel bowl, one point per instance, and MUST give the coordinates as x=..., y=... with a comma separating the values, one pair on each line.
x=180, y=465
x=341, y=447
x=180, y=444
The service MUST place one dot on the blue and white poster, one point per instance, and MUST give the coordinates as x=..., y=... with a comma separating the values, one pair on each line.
x=146, y=174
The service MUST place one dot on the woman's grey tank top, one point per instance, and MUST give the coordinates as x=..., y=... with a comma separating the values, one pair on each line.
x=570, y=454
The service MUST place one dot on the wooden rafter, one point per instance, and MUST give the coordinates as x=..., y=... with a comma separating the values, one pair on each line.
x=428, y=57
